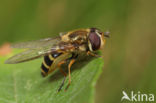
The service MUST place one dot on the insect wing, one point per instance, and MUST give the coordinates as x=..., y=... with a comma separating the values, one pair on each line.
x=35, y=50
x=27, y=55
x=31, y=54
x=37, y=43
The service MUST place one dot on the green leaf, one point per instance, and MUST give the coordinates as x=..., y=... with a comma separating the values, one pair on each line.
x=23, y=83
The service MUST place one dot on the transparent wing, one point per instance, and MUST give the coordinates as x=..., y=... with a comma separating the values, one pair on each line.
x=43, y=50
x=37, y=43
x=25, y=56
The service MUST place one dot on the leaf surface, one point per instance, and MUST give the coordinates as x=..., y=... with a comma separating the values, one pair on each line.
x=23, y=83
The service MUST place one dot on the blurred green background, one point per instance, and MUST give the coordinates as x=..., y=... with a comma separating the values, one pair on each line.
x=130, y=53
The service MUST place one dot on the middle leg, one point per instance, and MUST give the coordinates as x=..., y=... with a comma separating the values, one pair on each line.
x=69, y=73
x=64, y=73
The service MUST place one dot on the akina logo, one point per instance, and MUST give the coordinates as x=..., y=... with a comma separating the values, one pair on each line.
x=137, y=96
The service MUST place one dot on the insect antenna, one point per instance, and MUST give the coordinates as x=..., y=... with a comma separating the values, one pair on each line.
x=106, y=34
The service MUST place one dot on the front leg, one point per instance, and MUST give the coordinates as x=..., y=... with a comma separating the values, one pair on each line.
x=92, y=54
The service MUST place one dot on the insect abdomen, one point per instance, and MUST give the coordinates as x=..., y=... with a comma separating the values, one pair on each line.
x=47, y=62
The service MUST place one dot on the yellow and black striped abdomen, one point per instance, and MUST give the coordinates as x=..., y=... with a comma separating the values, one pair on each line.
x=47, y=62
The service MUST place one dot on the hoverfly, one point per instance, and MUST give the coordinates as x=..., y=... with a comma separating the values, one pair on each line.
x=59, y=50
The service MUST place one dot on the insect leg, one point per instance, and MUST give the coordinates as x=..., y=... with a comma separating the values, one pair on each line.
x=64, y=73
x=69, y=67
x=61, y=84
x=92, y=54
x=59, y=65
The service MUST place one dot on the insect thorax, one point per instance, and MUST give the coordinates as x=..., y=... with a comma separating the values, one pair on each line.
x=77, y=35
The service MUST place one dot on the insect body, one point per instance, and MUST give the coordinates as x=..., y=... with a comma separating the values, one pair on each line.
x=60, y=50
x=47, y=62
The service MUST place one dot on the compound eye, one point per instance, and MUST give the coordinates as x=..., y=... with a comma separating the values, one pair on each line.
x=94, y=40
